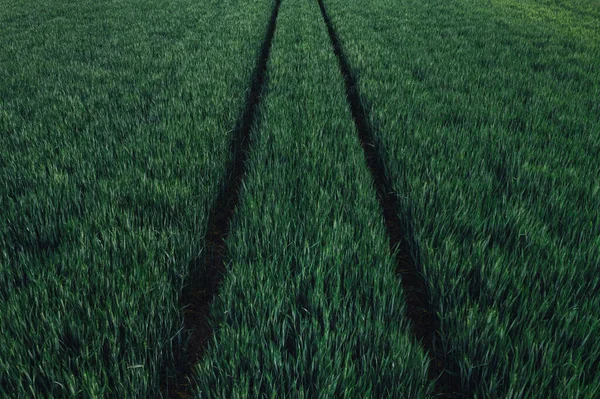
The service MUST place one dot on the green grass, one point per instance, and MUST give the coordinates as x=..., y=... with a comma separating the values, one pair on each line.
x=115, y=122
x=116, y=119
x=487, y=117
x=310, y=306
x=573, y=17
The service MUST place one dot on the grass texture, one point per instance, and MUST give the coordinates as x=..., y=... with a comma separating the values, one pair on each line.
x=310, y=306
x=488, y=119
x=115, y=121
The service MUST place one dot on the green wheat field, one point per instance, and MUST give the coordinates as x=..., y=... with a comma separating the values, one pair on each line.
x=118, y=127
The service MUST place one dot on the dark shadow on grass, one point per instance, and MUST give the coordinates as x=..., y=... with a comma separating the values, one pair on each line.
x=206, y=273
x=402, y=244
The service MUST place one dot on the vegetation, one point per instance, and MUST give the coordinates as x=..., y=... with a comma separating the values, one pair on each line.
x=116, y=127
x=115, y=122
x=487, y=116
x=310, y=306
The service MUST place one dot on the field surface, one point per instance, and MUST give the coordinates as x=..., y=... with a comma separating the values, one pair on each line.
x=116, y=121
x=300, y=199
x=488, y=118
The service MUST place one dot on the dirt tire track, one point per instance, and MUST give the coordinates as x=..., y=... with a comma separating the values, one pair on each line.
x=419, y=310
x=206, y=273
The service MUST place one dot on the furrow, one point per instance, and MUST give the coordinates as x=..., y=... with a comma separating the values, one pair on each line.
x=208, y=271
x=419, y=310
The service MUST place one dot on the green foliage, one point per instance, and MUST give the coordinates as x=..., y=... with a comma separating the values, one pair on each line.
x=310, y=306
x=114, y=136
x=115, y=131
x=488, y=119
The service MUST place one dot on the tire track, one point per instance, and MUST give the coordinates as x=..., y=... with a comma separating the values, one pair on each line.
x=206, y=273
x=423, y=318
